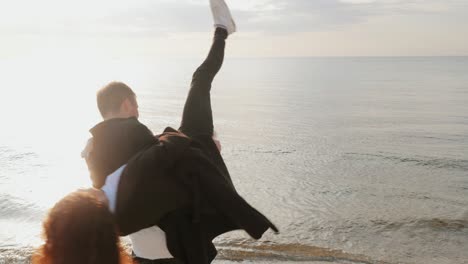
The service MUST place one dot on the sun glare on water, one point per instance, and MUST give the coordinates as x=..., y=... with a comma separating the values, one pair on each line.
x=47, y=114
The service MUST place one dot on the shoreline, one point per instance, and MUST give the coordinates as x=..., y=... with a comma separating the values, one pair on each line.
x=241, y=253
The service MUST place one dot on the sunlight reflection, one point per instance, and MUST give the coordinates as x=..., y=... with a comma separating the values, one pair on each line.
x=47, y=113
x=49, y=109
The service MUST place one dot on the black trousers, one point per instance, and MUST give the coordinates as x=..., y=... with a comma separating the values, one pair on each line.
x=197, y=117
x=156, y=261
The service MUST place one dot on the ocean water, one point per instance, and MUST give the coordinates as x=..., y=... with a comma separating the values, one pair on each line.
x=357, y=160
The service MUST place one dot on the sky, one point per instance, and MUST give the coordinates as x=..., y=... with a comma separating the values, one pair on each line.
x=267, y=28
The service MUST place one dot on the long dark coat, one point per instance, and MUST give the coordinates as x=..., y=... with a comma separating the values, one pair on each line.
x=179, y=183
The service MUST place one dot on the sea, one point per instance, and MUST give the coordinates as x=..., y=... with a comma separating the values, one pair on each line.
x=355, y=159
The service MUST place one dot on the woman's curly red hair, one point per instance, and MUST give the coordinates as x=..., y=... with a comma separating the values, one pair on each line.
x=80, y=229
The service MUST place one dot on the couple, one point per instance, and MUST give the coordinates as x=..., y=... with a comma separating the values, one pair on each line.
x=171, y=193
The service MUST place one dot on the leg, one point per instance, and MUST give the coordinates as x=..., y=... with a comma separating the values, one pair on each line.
x=156, y=261
x=197, y=118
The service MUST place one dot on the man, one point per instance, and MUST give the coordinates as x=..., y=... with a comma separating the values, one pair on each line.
x=119, y=108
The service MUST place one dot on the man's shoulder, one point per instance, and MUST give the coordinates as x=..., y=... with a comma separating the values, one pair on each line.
x=114, y=142
x=88, y=148
x=115, y=124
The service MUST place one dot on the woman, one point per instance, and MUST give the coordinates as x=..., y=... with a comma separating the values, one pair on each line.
x=80, y=229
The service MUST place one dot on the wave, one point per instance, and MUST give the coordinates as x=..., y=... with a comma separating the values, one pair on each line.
x=266, y=151
x=435, y=224
x=242, y=250
x=440, y=163
x=15, y=255
x=12, y=155
x=14, y=208
x=445, y=137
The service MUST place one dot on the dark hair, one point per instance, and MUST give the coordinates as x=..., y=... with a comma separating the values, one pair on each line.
x=111, y=97
x=80, y=229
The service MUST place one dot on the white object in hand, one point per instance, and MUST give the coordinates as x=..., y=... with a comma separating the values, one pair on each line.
x=222, y=16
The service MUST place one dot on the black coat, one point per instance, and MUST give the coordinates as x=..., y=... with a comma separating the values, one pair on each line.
x=115, y=142
x=180, y=184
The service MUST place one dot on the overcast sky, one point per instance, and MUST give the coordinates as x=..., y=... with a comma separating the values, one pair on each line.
x=266, y=27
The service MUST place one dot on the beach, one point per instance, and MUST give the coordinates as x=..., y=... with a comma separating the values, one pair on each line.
x=355, y=159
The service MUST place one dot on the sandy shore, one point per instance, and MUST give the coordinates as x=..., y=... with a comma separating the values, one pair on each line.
x=282, y=262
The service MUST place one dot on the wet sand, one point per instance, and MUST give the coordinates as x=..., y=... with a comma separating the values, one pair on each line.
x=281, y=262
x=286, y=253
x=243, y=253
